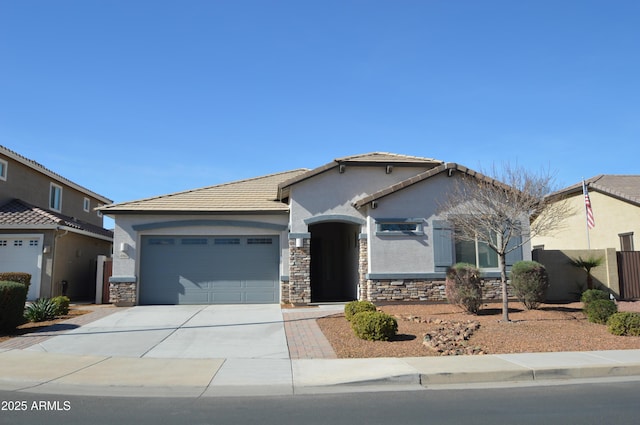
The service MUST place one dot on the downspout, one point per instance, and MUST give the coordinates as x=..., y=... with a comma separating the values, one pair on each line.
x=53, y=257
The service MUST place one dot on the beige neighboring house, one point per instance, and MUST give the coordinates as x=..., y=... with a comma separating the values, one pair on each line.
x=49, y=228
x=615, y=201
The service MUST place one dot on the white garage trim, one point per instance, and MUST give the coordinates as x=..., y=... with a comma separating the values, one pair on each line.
x=23, y=253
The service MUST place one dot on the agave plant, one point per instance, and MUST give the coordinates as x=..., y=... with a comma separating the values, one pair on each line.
x=41, y=310
x=587, y=264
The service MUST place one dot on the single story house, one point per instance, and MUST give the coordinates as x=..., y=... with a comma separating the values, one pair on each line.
x=359, y=227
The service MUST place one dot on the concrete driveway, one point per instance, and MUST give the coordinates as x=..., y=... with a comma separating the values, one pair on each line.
x=204, y=332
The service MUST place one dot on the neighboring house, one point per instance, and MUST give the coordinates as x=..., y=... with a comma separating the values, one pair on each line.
x=359, y=227
x=615, y=201
x=49, y=228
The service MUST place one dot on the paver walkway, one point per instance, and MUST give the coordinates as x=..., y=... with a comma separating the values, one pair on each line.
x=305, y=339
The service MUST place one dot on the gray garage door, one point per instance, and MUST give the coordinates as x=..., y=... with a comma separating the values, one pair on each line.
x=209, y=270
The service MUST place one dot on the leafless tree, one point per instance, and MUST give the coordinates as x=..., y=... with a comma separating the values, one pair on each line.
x=499, y=210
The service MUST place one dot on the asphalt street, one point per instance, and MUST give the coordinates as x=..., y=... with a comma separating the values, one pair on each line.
x=584, y=404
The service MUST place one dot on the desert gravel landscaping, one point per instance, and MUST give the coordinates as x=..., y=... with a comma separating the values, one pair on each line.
x=553, y=327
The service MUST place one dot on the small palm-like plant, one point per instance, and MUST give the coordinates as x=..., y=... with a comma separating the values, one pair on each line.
x=587, y=264
x=41, y=310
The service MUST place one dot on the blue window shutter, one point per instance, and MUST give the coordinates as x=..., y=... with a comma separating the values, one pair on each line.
x=515, y=255
x=442, y=243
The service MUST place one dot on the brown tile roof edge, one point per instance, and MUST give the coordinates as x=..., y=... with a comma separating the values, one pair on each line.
x=254, y=194
x=361, y=159
x=446, y=167
x=19, y=214
x=41, y=168
x=608, y=184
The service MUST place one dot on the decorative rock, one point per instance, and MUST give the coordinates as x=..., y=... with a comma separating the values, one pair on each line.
x=451, y=338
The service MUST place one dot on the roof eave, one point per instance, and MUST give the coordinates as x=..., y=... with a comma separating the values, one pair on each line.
x=60, y=179
x=193, y=212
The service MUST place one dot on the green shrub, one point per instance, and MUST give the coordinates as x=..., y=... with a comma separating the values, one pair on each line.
x=463, y=287
x=374, y=325
x=624, y=323
x=355, y=307
x=591, y=295
x=20, y=277
x=599, y=311
x=529, y=280
x=40, y=310
x=13, y=296
x=62, y=305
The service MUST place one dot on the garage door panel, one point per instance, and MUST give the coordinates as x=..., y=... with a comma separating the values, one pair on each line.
x=209, y=270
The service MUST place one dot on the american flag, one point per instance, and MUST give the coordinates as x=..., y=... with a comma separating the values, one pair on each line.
x=591, y=223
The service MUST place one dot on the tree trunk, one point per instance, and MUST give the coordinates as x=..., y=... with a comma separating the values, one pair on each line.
x=503, y=281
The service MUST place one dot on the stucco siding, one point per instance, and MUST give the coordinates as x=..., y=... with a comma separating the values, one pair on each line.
x=130, y=228
x=612, y=217
x=33, y=187
x=409, y=254
x=406, y=253
x=332, y=193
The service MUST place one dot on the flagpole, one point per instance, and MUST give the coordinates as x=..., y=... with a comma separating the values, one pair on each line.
x=586, y=213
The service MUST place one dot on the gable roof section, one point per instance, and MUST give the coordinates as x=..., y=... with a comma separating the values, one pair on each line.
x=18, y=214
x=623, y=187
x=448, y=167
x=373, y=158
x=42, y=169
x=257, y=194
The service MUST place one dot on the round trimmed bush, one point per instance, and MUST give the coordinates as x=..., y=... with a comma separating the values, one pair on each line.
x=62, y=305
x=13, y=296
x=591, y=295
x=374, y=325
x=463, y=287
x=355, y=307
x=624, y=324
x=529, y=280
x=599, y=311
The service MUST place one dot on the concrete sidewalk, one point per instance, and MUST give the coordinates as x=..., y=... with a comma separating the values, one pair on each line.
x=311, y=366
x=55, y=373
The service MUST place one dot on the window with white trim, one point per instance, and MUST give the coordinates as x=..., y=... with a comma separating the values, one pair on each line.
x=3, y=169
x=86, y=204
x=55, y=197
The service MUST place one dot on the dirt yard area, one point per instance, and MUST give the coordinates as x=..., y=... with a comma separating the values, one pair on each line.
x=553, y=327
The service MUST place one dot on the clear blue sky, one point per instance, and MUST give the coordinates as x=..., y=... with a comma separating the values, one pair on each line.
x=133, y=98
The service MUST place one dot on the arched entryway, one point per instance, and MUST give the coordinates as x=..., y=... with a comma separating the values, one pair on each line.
x=334, y=261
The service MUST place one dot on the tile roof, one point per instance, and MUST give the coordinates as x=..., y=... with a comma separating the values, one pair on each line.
x=42, y=169
x=250, y=195
x=362, y=159
x=19, y=214
x=448, y=167
x=387, y=158
x=624, y=187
